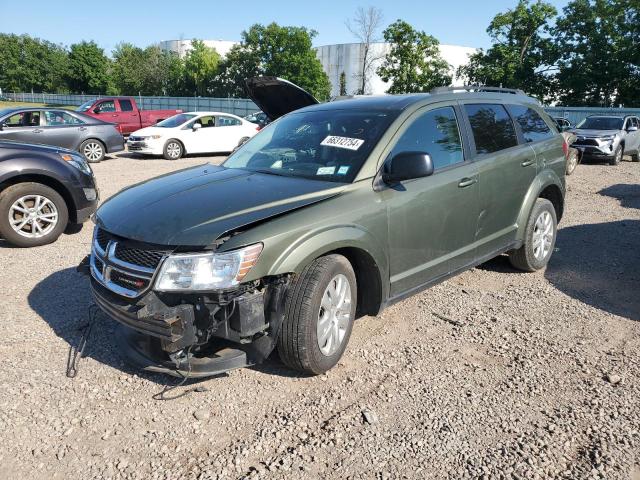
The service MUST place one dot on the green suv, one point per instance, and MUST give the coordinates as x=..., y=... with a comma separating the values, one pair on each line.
x=331, y=212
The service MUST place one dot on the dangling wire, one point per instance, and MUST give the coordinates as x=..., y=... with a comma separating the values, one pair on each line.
x=167, y=388
x=77, y=352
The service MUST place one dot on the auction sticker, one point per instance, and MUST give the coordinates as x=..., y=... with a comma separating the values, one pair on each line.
x=342, y=142
x=326, y=171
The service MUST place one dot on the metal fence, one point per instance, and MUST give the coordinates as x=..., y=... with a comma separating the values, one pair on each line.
x=242, y=106
x=237, y=106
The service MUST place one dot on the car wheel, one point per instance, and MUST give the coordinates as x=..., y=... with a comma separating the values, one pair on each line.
x=617, y=157
x=92, y=150
x=572, y=161
x=172, y=150
x=635, y=157
x=319, y=313
x=540, y=238
x=32, y=214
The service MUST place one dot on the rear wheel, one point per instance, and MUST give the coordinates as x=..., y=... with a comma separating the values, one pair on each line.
x=319, y=313
x=92, y=150
x=635, y=157
x=32, y=214
x=572, y=161
x=617, y=156
x=172, y=150
x=540, y=238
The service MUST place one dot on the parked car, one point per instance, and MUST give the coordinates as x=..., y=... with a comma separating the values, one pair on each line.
x=608, y=137
x=562, y=123
x=124, y=112
x=192, y=132
x=61, y=128
x=332, y=212
x=259, y=118
x=43, y=191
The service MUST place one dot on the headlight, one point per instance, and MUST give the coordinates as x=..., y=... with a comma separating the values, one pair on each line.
x=77, y=161
x=206, y=271
x=609, y=138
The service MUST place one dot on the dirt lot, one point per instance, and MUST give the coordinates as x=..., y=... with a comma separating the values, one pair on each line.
x=493, y=374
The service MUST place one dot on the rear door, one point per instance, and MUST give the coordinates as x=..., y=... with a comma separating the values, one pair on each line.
x=127, y=116
x=231, y=131
x=23, y=126
x=506, y=168
x=432, y=220
x=62, y=129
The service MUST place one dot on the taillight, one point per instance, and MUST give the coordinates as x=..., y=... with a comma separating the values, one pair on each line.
x=258, y=128
x=565, y=147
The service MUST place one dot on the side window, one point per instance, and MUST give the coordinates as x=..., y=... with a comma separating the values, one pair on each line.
x=436, y=133
x=227, y=122
x=207, y=121
x=126, y=106
x=492, y=127
x=55, y=118
x=531, y=123
x=104, y=107
x=23, y=119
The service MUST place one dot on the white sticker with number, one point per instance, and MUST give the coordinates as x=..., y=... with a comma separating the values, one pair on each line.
x=342, y=142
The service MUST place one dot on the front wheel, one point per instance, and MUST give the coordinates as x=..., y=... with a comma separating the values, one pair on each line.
x=32, y=214
x=540, y=238
x=319, y=313
x=92, y=150
x=172, y=150
x=617, y=156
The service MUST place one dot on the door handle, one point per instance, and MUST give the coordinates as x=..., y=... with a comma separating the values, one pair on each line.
x=37, y=130
x=82, y=129
x=526, y=163
x=467, y=182
x=114, y=114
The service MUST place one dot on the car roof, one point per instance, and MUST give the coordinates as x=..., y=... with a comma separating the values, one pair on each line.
x=209, y=113
x=619, y=117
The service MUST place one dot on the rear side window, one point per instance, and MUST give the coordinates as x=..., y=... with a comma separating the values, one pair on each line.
x=126, y=106
x=227, y=122
x=492, y=127
x=56, y=118
x=531, y=123
x=436, y=133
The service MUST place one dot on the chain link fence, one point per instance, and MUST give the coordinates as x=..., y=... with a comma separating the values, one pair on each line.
x=236, y=106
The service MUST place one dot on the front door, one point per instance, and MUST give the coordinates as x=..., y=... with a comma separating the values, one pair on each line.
x=431, y=220
x=23, y=127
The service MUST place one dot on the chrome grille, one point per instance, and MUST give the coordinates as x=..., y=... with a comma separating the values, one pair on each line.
x=123, y=269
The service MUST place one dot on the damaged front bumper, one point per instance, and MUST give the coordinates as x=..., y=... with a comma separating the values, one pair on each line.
x=196, y=334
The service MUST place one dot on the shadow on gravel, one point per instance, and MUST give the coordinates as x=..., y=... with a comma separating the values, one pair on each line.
x=627, y=194
x=599, y=264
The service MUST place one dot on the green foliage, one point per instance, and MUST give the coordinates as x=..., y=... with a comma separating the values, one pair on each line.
x=200, y=67
x=414, y=63
x=89, y=69
x=240, y=63
x=522, y=52
x=598, y=44
x=343, y=84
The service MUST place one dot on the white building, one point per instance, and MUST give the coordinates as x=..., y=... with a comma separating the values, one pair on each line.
x=347, y=58
x=181, y=47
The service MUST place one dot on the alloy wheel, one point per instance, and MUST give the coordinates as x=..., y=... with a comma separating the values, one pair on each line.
x=33, y=216
x=92, y=151
x=542, y=236
x=333, y=317
x=173, y=150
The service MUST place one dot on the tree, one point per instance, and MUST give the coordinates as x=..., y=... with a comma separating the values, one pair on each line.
x=88, y=69
x=413, y=63
x=598, y=48
x=129, y=68
x=343, y=84
x=164, y=72
x=365, y=26
x=522, y=52
x=240, y=63
x=201, y=66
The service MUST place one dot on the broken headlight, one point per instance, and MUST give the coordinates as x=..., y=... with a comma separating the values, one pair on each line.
x=206, y=271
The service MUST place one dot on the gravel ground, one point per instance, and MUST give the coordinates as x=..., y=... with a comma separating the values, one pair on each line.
x=492, y=374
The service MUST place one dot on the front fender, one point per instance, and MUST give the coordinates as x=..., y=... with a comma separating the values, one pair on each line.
x=542, y=181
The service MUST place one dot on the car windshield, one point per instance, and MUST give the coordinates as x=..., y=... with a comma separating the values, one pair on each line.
x=175, y=121
x=85, y=106
x=601, y=123
x=329, y=145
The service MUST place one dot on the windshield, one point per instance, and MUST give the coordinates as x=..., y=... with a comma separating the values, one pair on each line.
x=601, y=123
x=175, y=121
x=85, y=106
x=328, y=145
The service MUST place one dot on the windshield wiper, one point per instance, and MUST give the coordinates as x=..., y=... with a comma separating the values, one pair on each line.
x=270, y=172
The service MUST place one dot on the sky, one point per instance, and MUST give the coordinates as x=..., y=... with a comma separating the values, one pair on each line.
x=460, y=22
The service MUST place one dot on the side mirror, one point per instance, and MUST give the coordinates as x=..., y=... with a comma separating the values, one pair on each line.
x=2, y=125
x=196, y=126
x=407, y=165
x=632, y=128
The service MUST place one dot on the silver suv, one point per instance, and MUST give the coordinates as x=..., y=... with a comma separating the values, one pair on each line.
x=608, y=137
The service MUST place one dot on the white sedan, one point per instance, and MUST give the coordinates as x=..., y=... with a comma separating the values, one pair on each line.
x=192, y=132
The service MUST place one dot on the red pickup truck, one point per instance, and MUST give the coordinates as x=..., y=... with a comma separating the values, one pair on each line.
x=124, y=112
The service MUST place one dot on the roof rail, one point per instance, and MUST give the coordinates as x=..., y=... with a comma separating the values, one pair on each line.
x=477, y=88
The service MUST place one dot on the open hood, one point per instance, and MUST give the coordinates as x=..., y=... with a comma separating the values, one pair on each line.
x=277, y=97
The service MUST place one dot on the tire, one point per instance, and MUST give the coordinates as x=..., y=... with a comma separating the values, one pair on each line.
x=635, y=157
x=309, y=294
x=92, y=150
x=173, y=149
x=572, y=161
x=527, y=257
x=617, y=156
x=25, y=195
